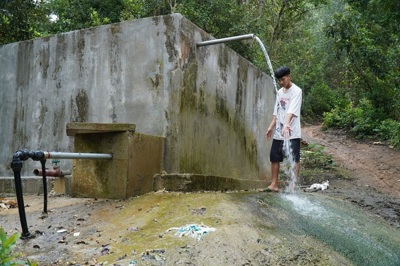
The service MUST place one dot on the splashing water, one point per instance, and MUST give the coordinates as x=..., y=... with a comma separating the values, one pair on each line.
x=290, y=167
x=289, y=162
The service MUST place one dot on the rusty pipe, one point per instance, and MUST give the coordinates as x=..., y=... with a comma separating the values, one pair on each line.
x=56, y=172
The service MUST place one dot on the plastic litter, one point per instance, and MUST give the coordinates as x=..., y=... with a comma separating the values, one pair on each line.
x=317, y=186
x=193, y=230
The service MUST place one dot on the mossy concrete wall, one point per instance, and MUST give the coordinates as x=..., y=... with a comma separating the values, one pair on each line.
x=210, y=104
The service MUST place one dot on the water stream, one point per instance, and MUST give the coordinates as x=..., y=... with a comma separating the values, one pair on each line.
x=289, y=163
x=360, y=237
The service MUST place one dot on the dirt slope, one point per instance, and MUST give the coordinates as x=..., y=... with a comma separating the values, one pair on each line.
x=371, y=165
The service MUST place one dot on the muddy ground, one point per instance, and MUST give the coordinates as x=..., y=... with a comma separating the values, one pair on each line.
x=135, y=231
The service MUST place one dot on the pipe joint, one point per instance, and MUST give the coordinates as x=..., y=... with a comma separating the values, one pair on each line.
x=16, y=164
x=37, y=155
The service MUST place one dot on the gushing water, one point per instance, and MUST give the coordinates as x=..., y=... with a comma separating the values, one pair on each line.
x=289, y=163
x=339, y=225
x=268, y=62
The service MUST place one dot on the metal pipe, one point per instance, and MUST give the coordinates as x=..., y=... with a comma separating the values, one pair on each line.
x=228, y=39
x=70, y=155
x=16, y=165
x=43, y=162
x=55, y=172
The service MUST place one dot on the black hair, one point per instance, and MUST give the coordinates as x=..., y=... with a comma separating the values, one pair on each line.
x=281, y=72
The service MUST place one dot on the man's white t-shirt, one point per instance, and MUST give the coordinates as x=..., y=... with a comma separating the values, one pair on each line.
x=288, y=101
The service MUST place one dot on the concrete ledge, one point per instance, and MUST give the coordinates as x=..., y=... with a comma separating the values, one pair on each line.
x=30, y=185
x=74, y=128
x=196, y=182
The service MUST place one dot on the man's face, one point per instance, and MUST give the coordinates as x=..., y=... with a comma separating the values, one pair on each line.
x=285, y=81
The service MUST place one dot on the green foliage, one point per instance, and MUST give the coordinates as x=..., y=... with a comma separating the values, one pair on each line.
x=313, y=156
x=7, y=258
x=366, y=119
x=361, y=120
x=318, y=166
x=339, y=117
x=20, y=20
x=319, y=100
x=389, y=130
x=366, y=35
x=79, y=14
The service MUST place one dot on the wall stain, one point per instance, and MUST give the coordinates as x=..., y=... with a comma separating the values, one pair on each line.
x=60, y=53
x=80, y=45
x=114, y=55
x=44, y=59
x=58, y=120
x=80, y=107
x=42, y=117
x=170, y=40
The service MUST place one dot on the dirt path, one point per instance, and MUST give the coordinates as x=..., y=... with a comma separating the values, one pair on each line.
x=375, y=166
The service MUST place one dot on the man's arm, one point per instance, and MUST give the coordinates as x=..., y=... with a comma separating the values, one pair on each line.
x=268, y=134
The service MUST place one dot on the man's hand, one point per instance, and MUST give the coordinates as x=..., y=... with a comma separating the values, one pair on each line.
x=268, y=134
x=287, y=131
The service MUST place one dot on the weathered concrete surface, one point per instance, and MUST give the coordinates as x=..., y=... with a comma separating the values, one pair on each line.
x=136, y=158
x=30, y=185
x=195, y=182
x=211, y=105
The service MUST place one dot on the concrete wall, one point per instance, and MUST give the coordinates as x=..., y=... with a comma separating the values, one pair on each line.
x=211, y=105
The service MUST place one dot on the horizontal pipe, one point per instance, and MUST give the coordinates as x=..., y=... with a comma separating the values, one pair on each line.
x=228, y=39
x=70, y=155
x=53, y=172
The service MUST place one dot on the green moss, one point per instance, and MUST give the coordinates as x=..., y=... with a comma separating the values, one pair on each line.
x=154, y=214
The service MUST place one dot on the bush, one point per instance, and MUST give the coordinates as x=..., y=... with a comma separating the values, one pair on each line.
x=7, y=258
x=340, y=117
x=366, y=119
x=363, y=121
x=313, y=156
x=319, y=99
x=389, y=130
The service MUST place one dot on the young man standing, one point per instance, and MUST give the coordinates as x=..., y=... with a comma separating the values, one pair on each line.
x=286, y=122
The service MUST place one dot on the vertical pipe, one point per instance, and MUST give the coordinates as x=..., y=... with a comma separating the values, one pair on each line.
x=43, y=162
x=16, y=165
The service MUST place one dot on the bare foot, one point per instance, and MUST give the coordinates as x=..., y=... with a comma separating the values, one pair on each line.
x=273, y=188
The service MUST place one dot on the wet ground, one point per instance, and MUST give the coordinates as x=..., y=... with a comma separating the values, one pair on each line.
x=251, y=228
x=373, y=168
x=355, y=222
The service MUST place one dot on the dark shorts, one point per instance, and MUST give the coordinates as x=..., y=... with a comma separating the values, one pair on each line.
x=278, y=151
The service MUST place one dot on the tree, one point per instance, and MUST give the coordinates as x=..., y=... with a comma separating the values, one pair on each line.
x=80, y=14
x=367, y=37
x=20, y=20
